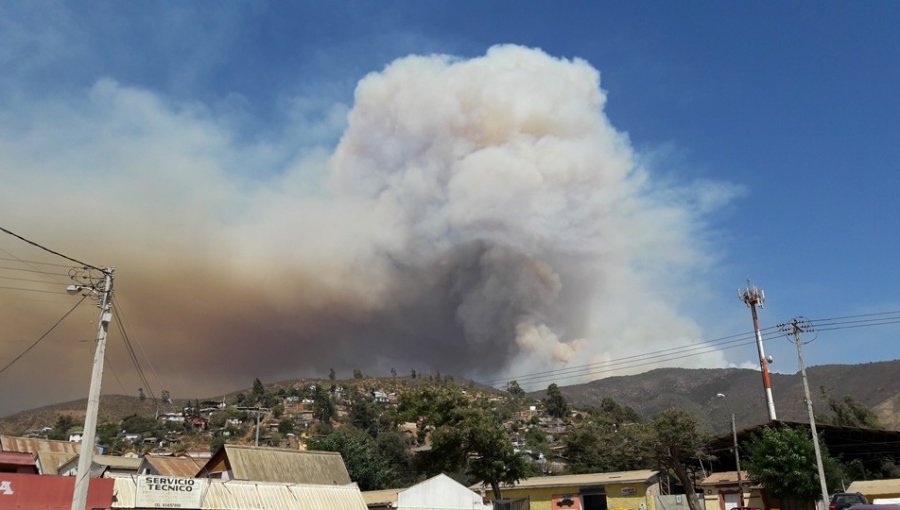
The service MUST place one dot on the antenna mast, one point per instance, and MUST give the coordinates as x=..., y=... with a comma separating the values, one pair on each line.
x=753, y=297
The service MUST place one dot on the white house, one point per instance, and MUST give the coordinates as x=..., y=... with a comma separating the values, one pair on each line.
x=440, y=492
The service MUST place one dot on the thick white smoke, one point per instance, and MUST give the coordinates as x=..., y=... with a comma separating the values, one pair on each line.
x=479, y=217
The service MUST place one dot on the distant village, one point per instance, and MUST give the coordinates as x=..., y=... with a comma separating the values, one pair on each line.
x=411, y=442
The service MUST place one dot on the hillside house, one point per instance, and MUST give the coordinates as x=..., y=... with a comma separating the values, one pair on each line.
x=631, y=490
x=234, y=462
x=104, y=466
x=164, y=465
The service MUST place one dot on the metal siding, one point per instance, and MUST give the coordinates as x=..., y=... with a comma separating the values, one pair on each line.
x=48, y=492
x=288, y=466
x=34, y=445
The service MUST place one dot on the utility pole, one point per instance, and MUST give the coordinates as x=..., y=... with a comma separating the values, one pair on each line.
x=737, y=459
x=103, y=293
x=795, y=327
x=753, y=297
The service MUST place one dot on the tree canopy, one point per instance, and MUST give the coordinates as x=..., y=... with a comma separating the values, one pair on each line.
x=784, y=460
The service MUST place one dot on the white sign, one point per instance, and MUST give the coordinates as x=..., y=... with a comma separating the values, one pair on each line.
x=169, y=492
x=6, y=488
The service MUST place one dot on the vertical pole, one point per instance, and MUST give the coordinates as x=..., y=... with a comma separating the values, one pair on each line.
x=754, y=296
x=257, y=428
x=737, y=459
x=86, y=457
x=795, y=326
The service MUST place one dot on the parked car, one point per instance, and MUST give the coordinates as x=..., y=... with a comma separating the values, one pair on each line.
x=844, y=500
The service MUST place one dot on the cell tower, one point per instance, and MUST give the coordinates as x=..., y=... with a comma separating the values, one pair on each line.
x=753, y=297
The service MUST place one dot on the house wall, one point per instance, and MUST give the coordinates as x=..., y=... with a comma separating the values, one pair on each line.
x=439, y=493
x=616, y=498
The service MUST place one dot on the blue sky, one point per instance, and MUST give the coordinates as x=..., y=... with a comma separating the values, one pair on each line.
x=794, y=107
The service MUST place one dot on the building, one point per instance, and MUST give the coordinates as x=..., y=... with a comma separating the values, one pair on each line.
x=234, y=495
x=631, y=490
x=48, y=463
x=35, y=445
x=722, y=492
x=234, y=462
x=169, y=466
x=878, y=491
x=24, y=491
x=440, y=492
x=104, y=466
x=15, y=462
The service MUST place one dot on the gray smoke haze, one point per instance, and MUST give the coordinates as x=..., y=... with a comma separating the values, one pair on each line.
x=479, y=217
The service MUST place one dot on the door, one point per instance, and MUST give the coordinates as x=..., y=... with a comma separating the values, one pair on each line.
x=731, y=500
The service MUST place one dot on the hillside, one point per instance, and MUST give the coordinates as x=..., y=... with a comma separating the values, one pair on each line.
x=876, y=385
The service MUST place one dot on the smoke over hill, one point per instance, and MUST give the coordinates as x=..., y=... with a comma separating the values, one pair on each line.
x=480, y=217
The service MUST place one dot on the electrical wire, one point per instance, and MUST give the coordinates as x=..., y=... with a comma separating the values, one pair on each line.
x=35, y=271
x=48, y=250
x=132, y=355
x=17, y=259
x=36, y=342
x=120, y=314
x=681, y=352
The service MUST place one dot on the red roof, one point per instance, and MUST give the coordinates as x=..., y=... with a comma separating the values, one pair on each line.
x=16, y=459
x=51, y=492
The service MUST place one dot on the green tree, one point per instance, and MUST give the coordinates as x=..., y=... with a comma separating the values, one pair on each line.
x=515, y=390
x=357, y=373
x=475, y=441
x=259, y=391
x=848, y=412
x=323, y=406
x=412, y=374
x=784, y=460
x=278, y=410
x=285, y=426
x=593, y=447
x=674, y=440
x=64, y=422
x=366, y=466
x=331, y=375
x=555, y=403
x=362, y=414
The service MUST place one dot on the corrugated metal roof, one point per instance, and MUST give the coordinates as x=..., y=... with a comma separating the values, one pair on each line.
x=51, y=461
x=240, y=495
x=17, y=458
x=724, y=478
x=382, y=497
x=283, y=465
x=641, y=475
x=174, y=466
x=34, y=445
x=874, y=487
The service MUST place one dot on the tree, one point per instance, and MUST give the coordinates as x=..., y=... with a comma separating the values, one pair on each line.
x=285, y=426
x=366, y=466
x=393, y=373
x=848, y=412
x=784, y=460
x=259, y=390
x=362, y=414
x=674, y=440
x=605, y=447
x=357, y=373
x=412, y=374
x=277, y=410
x=64, y=422
x=323, y=406
x=515, y=390
x=331, y=374
x=555, y=403
x=474, y=440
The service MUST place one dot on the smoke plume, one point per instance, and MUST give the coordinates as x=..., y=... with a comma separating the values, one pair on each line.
x=479, y=217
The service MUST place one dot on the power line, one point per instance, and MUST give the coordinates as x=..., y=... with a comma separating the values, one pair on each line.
x=32, y=290
x=48, y=250
x=36, y=271
x=45, y=282
x=679, y=352
x=131, y=353
x=120, y=314
x=34, y=344
x=17, y=259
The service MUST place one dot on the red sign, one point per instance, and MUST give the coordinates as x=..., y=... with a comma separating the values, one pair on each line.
x=27, y=492
x=565, y=502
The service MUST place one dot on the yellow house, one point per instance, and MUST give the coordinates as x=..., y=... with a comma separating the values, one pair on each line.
x=723, y=491
x=878, y=491
x=625, y=490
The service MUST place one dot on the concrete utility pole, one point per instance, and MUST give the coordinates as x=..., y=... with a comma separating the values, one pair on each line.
x=104, y=295
x=737, y=459
x=753, y=297
x=795, y=327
